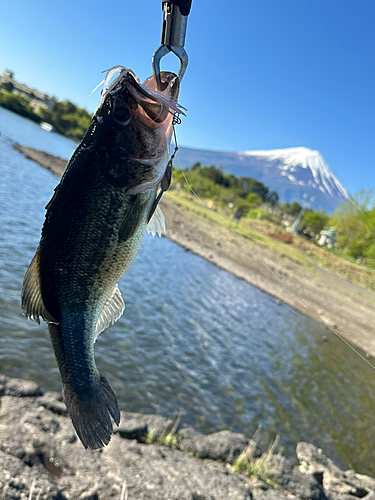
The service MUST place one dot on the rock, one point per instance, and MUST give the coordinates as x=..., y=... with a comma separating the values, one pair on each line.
x=333, y=495
x=41, y=457
x=366, y=482
x=132, y=429
x=138, y=426
x=19, y=481
x=38, y=442
x=289, y=478
x=257, y=484
x=335, y=480
x=92, y=494
x=312, y=459
x=18, y=387
x=225, y=445
x=53, y=402
x=259, y=494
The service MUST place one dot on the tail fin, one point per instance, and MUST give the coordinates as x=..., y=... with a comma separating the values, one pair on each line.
x=91, y=412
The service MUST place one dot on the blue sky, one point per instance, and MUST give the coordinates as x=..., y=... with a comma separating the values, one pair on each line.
x=263, y=74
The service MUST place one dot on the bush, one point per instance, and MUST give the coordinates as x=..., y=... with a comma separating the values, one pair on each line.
x=315, y=221
x=19, y=105
x=254, y=200
x=258, y=213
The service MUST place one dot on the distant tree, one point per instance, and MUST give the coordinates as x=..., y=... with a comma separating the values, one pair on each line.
x=69, y=120
x=196, y=166
x=231, y=180
x=18, y=104
x=254, y=200
x=354, y=221
x=315, y=221
x=214, y=174
x=7, y=86
x=292, y=209
x=250, y=185
x=273, y=197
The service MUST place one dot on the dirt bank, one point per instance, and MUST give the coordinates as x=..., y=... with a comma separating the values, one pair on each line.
x=337, y=303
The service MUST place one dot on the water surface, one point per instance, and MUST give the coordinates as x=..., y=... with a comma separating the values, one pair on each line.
x=193, y=338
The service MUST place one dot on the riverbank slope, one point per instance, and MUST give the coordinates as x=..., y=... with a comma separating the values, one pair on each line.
x=345, y=307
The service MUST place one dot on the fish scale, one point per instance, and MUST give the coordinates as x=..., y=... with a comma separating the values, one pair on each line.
x=94, y=227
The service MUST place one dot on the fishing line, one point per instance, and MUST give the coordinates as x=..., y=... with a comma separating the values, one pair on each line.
x=234, y=232
x=256, y=256
x=351, y=347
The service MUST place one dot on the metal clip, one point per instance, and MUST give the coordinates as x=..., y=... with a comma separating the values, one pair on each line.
x=172, y=37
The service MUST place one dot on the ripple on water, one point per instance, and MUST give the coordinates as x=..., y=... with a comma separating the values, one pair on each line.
x=193, y=338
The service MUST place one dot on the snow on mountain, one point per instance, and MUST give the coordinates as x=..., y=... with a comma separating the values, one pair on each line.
x=296, y=174
x=291, y=159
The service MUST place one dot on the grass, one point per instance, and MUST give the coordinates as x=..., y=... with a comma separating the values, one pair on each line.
x=256, y=468
x=170, y=439
x=301, y=251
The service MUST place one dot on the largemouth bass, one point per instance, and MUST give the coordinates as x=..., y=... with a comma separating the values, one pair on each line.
x=94, y=227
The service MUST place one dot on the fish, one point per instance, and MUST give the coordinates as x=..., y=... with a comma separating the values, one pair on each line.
x=94, y=227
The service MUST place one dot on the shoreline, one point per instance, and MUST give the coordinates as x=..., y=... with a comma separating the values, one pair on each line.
x=339, y=305
x=151, y=458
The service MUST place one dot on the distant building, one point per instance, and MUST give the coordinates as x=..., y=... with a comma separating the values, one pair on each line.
x=36, y=99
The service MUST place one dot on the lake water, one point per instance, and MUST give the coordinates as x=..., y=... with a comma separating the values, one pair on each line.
x=193, y=338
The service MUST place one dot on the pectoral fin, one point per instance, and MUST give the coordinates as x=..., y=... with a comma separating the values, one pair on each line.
x=132, y=219
x=32, y=303
x=112, y=310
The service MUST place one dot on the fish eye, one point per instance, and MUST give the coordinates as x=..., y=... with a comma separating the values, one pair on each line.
x=122, y=115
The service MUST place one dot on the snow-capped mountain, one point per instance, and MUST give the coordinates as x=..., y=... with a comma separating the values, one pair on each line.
x=297, y=174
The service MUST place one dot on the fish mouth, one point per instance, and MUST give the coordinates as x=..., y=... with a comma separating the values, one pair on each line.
x=157, y=105
x=140, y=122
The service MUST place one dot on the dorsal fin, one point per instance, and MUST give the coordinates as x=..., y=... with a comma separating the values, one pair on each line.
x=112, y=310
x=32, y=303
x=156, y=223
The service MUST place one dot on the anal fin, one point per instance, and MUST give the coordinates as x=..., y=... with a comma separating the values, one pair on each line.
x=157, y=222
x=112, y=310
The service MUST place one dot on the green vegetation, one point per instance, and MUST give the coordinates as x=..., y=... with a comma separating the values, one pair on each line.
x=255, y=469
x=19, y=105
x=354, y=221
x=237, y=197
x=226, y=190
x=248, y=203
x=315, y=221
x=170, y=439
x=66, y=117
x=243, y=196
